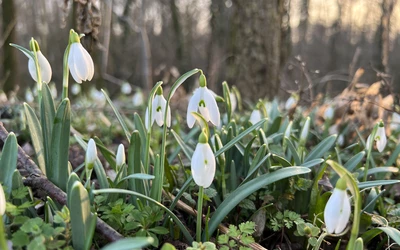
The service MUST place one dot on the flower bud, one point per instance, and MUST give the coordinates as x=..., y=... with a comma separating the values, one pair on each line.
x=91, y=154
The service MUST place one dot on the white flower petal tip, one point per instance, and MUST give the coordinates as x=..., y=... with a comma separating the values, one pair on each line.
x=255, y=116
x=120, y=157
x=157, y=112
x=337, y=211
x=2, y=201
x=80, y=63
x=380, y=138
x=91, y=152
x=44, y=67
x=203, y=165
x=203, y=101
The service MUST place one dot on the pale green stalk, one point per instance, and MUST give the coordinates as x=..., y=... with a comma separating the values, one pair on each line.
x=3, y=240
x=199, y=213
x=65, y=73
x=156, y=190
x=369, y=152
x=38, y=74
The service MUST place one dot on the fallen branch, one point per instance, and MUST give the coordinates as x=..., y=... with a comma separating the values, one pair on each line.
x=36, y=180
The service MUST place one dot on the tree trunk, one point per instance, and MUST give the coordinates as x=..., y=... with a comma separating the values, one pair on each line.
x=259, y=49
x=10, y=64
x=381, y=55
x=219, y=44
x=303, y=25
x=387, y=9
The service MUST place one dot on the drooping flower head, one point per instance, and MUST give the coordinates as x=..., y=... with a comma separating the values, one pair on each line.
x=380, y=138
x=304, y=131
x=329, y=112
x=291, y=101
x=337, y=210
x=44, y=65
x=158, y=108
x=203, y=163
x=80, y=63
x=204, y=101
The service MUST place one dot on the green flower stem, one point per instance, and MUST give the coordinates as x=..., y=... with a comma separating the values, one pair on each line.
x=156, y=189
x=369, y=151
x=38, y=75
x=199, y=213
x=3, y=241
x=65, y=73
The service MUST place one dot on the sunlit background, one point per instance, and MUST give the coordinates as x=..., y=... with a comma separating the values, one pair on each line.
x=144, y=41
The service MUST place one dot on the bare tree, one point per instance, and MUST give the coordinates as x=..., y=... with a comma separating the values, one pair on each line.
x=260, y=46
x=10, y=64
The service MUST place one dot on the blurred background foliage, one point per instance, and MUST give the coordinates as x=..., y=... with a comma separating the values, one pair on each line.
x=264, y=47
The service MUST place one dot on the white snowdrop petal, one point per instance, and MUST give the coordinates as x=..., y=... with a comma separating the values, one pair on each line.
x=91, y=152
x=337, y=211
x=32, y=69
x=197, y=165
x=210, y=166
x=71, y=65
x=232, y=97
x=368, y=142
x=45, y=68
x=255, y=116
x=2, y=201
x=205, y=113
x=146, y=119
x=193, y=106
x=331, y=212
x=81, y=63
x=382, y=140
x=160, y=102
x=345, y=211
x=120, y=157
x=211, y=105
x=89, y=63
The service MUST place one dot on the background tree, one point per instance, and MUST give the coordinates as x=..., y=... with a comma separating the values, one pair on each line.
x=10, y=65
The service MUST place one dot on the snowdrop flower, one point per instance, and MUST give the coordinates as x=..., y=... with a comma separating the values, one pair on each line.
x=329, y=112
x=91, y=154
x=75, y=89
x=304, y=131
x=291, y=101
x=137, y=98
x=380, y=138
x=255, y=116
x=204, y=101
x=158, y=107
x=337, y=210
x=29, y=96
x=126, y=88
x=232, y=97
x=2, y=202
x=44, y=65
x=203, y=163
x=79, y=61
x=98, y=97
x=120, y=158
x=395, y=121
